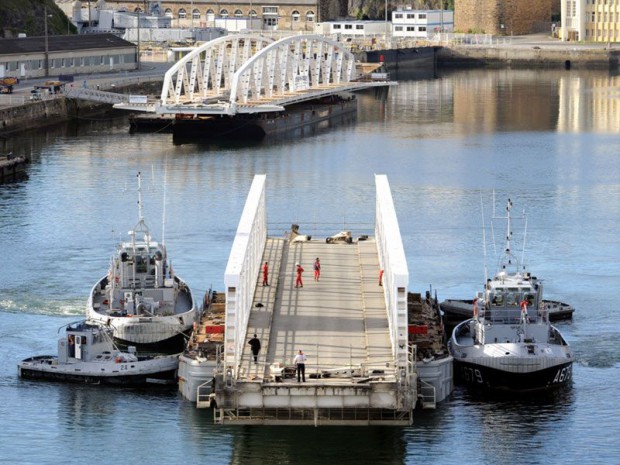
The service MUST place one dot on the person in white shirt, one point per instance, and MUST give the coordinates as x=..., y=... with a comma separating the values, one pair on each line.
x=300, y=364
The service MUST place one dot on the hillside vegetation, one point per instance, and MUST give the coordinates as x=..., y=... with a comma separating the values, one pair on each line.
x=28, y=16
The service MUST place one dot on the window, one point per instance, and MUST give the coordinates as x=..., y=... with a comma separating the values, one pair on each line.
x=410, y=28
x=359, y=27
x=398, y=28
x=270, y=21
x=410, y=16
x=310, y=16
x=196, y=14
x=252, y=13
x=270, y=10
x=223, y=13
x=348, y=26
x=295, y=15
x=138, y=10
x=168, y=13
x=398, y=15
x=182, y=14
x=422, y=16
x=422, y=29
x=336, y=26
x=238, y=13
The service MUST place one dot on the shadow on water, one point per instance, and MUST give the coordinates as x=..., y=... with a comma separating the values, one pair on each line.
x=301, y=445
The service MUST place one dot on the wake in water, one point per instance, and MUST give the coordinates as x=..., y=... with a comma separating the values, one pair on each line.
x=37, y=305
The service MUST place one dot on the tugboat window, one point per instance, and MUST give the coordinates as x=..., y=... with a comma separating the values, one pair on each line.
x=140, y=264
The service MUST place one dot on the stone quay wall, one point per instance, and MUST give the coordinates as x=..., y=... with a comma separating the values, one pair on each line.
x=501, y=17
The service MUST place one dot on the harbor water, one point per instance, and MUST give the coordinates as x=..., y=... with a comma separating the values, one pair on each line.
x=548, y=140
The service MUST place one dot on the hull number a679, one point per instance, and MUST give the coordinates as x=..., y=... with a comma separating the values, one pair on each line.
x=563, y=375
x=472, y=375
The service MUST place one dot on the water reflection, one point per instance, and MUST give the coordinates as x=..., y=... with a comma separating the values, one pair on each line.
x=489, y=101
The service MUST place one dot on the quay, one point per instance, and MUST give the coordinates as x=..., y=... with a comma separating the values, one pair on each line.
x=12, y=168
x=354, y=324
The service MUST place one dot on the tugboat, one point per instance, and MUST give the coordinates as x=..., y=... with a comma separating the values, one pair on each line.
x=87, y=354
x=509, y=344
x=141, y=298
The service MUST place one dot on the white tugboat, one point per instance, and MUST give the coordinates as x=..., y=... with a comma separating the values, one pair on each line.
x=140, y=297
x=509, y=344
x=87, y=354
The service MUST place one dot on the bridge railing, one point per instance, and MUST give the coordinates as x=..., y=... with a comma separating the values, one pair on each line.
x=395, y=273
x=241, y=271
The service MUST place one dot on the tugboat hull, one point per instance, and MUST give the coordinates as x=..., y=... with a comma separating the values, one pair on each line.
x=491, y=379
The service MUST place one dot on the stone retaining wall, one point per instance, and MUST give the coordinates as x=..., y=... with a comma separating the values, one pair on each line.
x=43, y=113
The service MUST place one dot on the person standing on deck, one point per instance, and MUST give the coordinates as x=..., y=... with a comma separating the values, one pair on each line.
x=298, y=281
x=317, y=269
x=255, y=345
x=266, y=274
x=300, y=365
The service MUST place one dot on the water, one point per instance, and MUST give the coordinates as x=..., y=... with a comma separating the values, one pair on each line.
x=548, y=140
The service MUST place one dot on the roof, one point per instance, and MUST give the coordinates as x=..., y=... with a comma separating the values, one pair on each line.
x=61, y=43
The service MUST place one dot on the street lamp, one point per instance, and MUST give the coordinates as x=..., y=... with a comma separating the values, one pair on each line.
x=47, y=54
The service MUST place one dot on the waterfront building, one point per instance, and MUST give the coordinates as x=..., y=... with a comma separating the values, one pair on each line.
x=32, y=57
x=590, y=20
x=352, y=28
x=272, y=15
x=421, y=24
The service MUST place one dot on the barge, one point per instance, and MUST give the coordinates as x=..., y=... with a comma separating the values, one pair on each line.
x=312, y=115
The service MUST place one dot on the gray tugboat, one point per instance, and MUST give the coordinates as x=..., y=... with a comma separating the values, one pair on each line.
x=509, y=344
x=87, y=354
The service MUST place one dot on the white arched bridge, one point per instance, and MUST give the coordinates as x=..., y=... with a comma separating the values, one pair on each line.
x=248, y=73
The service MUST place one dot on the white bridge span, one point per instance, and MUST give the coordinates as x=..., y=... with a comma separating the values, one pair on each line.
x=249, y=73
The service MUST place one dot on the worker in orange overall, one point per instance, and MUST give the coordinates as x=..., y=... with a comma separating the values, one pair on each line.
x=317, y=269
x=298, y=281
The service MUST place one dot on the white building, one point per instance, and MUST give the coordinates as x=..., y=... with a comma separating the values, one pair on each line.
x=348, y=28
x=422, y=24
x=590, y=20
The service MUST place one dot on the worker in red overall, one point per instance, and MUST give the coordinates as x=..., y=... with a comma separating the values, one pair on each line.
x=298, y=281
x=317, y=269
x=266, y=274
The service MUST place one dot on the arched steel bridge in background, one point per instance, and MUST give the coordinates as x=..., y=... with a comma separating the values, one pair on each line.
x=248, y=73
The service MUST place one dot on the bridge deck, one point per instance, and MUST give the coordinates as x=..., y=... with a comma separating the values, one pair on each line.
x=339, y=321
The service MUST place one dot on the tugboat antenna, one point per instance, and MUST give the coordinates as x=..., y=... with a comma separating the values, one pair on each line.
x=140, y=215
x=163, y=215
x=484, y=242
x=524, y=237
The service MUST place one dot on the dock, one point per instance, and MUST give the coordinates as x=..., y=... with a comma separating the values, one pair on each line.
x=12, y=168
x=352, y=323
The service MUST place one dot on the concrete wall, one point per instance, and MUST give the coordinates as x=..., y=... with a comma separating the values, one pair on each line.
x=517, y=17
x=528, y=57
